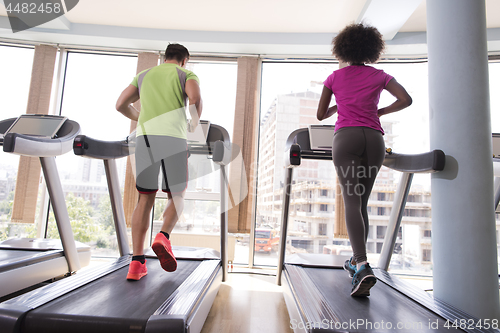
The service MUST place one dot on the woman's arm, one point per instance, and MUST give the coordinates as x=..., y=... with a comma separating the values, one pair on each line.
x=403, y=99
x=324, y=111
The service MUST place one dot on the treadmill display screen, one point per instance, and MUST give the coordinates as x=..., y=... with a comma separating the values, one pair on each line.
x=37, y=125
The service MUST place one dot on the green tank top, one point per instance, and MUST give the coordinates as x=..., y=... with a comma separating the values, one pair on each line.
x=163, y=100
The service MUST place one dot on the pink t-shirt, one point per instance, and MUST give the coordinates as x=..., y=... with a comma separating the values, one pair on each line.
x=357, y=92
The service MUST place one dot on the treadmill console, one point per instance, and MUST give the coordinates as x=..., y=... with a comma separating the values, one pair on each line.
x=321, y=137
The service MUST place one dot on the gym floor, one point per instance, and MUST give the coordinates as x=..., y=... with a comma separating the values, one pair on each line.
x=248, y=302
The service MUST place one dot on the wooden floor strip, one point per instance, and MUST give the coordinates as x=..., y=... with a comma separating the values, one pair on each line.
x=248, y=303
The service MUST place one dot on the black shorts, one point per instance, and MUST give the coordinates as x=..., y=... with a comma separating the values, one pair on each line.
x=168, y=154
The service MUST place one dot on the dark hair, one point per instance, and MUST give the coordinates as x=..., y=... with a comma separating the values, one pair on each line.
x=177, y=52
x=358, y=43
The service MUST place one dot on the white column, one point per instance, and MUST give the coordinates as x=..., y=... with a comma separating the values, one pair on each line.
x=463, y=221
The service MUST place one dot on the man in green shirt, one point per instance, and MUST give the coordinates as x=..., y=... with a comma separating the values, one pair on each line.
x=161, y=145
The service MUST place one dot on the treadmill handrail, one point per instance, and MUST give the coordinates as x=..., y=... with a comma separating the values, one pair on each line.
x=86, y=146
x=433, y=161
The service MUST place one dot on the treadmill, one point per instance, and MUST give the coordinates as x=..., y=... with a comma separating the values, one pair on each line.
x=317, y=289
x=25, y=262
x=102, y=300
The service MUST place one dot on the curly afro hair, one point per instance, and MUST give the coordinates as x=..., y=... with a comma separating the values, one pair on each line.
x=358, y=44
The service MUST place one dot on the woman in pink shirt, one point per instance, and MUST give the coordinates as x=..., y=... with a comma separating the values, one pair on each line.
x=358, y=144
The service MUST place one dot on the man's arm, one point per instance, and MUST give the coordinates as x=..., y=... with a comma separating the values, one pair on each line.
x=195, y=102
x=124, y=102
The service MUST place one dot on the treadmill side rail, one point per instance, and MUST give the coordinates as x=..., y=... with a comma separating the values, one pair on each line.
x=44, y=295
x=11, y=317
x=175, y=324
x=186, y=302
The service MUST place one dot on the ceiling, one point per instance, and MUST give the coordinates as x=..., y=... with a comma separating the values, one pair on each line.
x=262, y=27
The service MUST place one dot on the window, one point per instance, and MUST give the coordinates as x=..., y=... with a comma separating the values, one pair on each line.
x=414, y=198
x=16, y=66
x=92, y=85
x=218, y=90
x=302, y=244
x=426, y=255
x=322, y=229
x=427, y=233
x=494, y=72
x=290, y=93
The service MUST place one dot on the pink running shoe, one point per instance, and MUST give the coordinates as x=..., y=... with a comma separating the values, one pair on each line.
x=136, y=270
x=163, y=250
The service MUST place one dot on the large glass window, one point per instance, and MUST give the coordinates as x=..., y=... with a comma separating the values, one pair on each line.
x=92, y=85
x=15, y=67
x=494, y=71
x=218, y=91
x=199, y=224
x=290, y=95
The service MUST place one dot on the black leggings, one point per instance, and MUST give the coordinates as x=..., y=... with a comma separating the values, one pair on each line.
x=358, y=153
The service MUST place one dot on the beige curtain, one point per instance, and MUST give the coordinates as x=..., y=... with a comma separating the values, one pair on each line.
x=241, y=179
x=28, y=173
x=130, y=195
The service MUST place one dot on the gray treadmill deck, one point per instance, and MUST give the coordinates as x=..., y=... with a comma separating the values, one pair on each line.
x=110, y=304
x=382, y=311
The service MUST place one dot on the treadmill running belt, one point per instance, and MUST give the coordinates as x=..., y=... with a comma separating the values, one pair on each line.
x=111, y=303
x=385, y=306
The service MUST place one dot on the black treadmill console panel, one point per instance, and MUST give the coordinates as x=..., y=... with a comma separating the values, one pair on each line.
x=79, y=145
x=295, y=156
x=439, y=160
x=9, y=142
x=218, y=151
